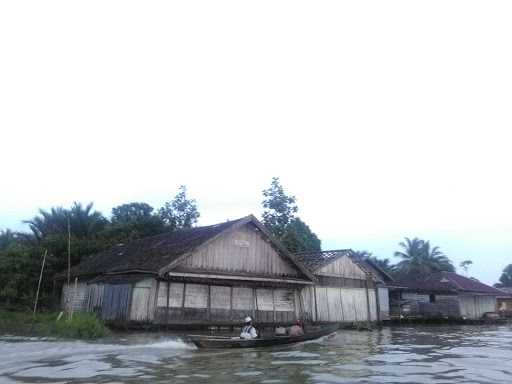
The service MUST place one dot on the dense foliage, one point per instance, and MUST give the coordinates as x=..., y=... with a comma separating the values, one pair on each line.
x=506, y=277
x=85, y=231
x=279, y=217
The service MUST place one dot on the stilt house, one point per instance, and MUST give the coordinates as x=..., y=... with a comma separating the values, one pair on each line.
x=348, y=289
x=206, y=275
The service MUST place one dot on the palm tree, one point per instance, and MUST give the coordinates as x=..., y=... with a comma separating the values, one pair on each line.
x=83, y=221
x=436, y=259
x=419, y=259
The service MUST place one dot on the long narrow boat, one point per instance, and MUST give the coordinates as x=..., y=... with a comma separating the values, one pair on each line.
x=204, y=341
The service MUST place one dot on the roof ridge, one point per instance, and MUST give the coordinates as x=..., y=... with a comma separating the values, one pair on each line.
x=180, y=230
x=324, y=251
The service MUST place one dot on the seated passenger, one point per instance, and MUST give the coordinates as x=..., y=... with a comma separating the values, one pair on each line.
x=296, y=330
x=248, y=331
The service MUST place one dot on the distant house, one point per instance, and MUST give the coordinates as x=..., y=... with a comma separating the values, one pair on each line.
x=443, y=295
x=505, y=301
x=348, y=289
x=216, y=274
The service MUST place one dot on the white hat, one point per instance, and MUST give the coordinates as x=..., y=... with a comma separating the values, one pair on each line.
x=248, y=319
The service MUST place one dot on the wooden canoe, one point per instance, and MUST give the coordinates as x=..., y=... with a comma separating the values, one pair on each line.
x=204, y=341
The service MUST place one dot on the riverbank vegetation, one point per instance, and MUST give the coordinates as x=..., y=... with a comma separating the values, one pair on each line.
x=80, y=326
x=80, y=230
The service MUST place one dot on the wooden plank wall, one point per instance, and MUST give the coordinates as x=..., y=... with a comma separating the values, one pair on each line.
x=95, y=298
x=244, y=250
x=185, y=302
x=383, y=303
x=77, y=300
x=116, y=302
x=142, y=306
x=336, y=304
x=474, y=307
x=343, y=267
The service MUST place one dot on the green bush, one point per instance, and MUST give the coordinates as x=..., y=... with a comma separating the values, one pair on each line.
x=81, y=326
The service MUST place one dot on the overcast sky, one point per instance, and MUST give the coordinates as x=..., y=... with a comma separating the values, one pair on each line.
x=384, y=119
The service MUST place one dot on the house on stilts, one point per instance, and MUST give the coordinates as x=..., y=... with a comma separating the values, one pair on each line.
x=208, y=275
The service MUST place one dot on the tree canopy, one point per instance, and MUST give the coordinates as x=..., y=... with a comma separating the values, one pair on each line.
x=506, y=277
x=179, y=213
x=89, y=232
x=279, y=217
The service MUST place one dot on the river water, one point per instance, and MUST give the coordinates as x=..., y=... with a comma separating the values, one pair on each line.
x=440, y=354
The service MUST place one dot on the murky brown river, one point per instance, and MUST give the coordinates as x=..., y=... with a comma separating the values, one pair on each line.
x=441, y=354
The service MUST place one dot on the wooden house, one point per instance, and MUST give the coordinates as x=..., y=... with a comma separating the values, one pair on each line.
x=216, y=274
x=444, y=295
x=348, y=289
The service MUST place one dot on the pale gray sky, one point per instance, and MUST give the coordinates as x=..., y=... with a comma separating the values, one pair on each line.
x=385, y=119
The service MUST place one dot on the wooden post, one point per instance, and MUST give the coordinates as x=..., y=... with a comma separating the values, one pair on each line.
x=327, y=303
x=69, y=252
x=341, y=305
x=274, y=306
x=316, y=307
x=369, y=317
x=231, y=306
x=74, y=297
x=183, y=301
x=377, y=303
x=254, y=303
x=167, y=309
x=39, y=283
x=209, y=303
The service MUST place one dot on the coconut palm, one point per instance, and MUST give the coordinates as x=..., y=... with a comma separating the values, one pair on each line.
x=419, y=259
x=83, y=221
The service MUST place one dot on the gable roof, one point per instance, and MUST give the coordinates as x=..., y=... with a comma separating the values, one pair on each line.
x=158, y=254
x=372, y=268
x=318, y=259
x=451, y=282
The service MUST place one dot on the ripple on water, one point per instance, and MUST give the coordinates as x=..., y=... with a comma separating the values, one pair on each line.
x=391, y=355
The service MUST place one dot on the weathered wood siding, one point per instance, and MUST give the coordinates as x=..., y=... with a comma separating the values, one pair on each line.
x=335, y=304
x=142, y=308
x=186, y=302
x=383, y=303
x=413, y=296
x=116, y=302
x=474, y=307
x=77, y=300
x=343, y=267
x=243, y=250
x=95, y=301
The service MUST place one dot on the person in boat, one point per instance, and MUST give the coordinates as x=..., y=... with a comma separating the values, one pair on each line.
x=296, y=330
x=248, y=331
